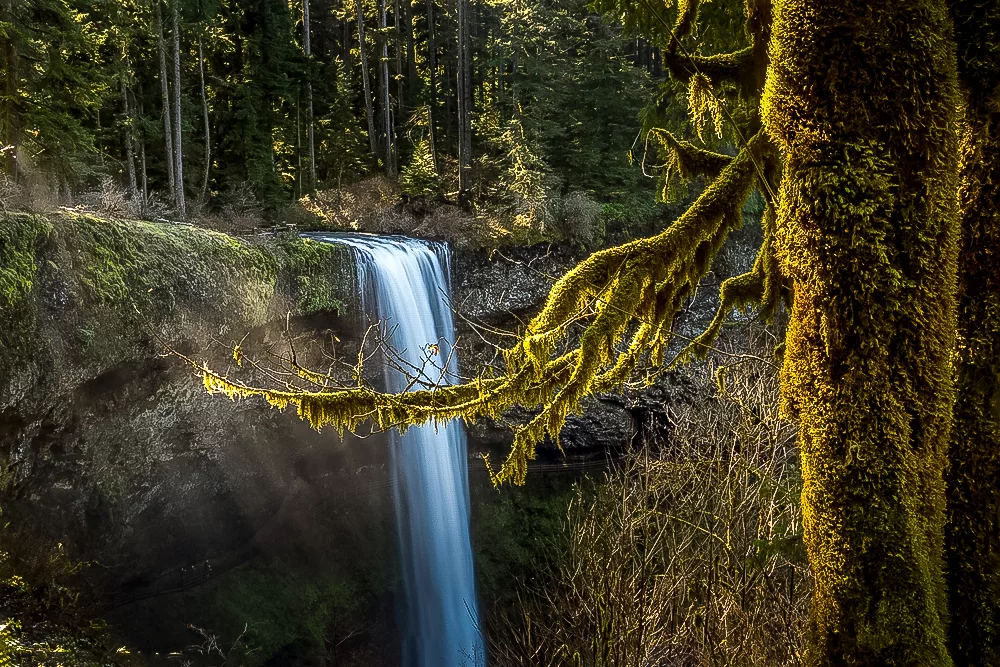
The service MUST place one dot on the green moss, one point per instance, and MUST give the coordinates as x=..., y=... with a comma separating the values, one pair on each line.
x=645, y=281
x=973, y=543
x=20, y=234
x=320, y=273
x=91, y=291
x=151, y=266
x=867, y=228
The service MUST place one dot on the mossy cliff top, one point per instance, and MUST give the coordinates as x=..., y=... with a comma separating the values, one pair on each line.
x=80, y=294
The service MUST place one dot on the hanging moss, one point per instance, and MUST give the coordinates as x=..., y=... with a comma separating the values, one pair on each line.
x=862, y=98
x=973, y=531
x=627, y=296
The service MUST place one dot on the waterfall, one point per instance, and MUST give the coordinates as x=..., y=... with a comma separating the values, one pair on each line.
x=405, y=284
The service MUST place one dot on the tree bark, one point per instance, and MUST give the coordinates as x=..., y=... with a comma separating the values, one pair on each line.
x=11, y=137
x=311, y=127
x=863, y=99
x=129, y=141
x=208, y=126
x=412, y=78
x=973, y=532
x=432, y=66
x=464, y=105
x=366, y=83
x=145, y=172
x=387, y=147
x=400, y=79
x=178, y=117
x=168, y=134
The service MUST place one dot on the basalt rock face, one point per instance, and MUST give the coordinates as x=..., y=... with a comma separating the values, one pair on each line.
x=115, y=449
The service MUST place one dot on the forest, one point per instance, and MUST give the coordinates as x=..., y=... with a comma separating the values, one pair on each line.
x=200, y=108
x=446, y=333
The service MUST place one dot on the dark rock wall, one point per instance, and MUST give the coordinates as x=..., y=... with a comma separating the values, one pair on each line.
x=112, y=447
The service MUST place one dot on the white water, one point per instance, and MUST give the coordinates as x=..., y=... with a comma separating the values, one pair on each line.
x=404, y=284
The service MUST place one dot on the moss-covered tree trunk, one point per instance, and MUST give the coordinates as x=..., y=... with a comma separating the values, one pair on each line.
x=973, y=533
x=863, y=97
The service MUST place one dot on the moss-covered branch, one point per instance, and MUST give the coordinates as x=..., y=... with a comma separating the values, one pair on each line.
x=717, y=68
x=624, y=297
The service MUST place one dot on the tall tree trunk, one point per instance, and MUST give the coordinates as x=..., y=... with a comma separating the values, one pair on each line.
x=129, y=139
x=297, y=190
x=863, y=97
x=366, y=82
x=347, y=44
x=145, y=173
x=412, y=78
x=208, y=126
x=387, y=147
x=973, y=533
x=432, y=66
x=9, y=63
x=311, y=126
x=168, y=134
x=464, y=105
x=178, y=117
x=400, y=79
x=515, y=47
x=450, y=80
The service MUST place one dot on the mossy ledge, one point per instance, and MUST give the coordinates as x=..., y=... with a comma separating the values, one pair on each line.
x=79, y=294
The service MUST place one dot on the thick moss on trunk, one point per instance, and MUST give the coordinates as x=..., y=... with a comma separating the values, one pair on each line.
x=974, y=477
x=973, y=533
x=863, y=99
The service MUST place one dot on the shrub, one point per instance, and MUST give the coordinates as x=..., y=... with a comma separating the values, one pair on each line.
x=43, y=621
x=691, y=552
x=580, y=220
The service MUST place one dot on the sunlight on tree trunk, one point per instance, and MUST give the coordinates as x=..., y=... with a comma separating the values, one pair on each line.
x=208, y=127
x=868, y=231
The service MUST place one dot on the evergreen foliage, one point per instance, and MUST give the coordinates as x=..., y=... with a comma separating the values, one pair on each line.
x=420, y=177
x=92, y=91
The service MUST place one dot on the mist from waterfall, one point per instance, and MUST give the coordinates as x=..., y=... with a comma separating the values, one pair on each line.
x=405, y=285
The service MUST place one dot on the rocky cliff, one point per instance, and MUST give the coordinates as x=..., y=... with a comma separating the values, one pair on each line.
x=111, y=446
